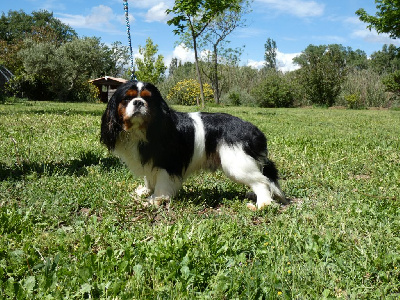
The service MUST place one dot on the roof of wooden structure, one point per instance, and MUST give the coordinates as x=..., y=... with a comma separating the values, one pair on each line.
x=108, y=80
x=5, y=75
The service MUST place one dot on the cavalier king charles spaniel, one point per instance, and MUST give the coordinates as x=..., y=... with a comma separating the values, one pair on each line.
x=165, y=146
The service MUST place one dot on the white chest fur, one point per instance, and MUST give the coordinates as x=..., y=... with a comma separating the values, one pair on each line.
x=127, y=149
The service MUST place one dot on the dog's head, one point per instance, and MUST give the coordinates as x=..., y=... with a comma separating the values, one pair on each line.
x=132, y=107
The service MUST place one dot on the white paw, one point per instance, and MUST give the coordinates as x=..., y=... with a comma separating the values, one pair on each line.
x=251, y=206
x=258, y=206
x=142, y=191
x=157, y=201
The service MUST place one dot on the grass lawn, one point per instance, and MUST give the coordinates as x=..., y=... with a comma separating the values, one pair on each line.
x=69, y=228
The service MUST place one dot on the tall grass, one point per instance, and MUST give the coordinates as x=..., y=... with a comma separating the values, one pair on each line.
x=69, y=228
x=367, y=88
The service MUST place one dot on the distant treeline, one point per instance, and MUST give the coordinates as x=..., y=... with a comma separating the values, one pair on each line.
x=50, y=62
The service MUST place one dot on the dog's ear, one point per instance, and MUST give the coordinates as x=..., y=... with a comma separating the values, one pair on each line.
x=156, y=101
x=110, y=123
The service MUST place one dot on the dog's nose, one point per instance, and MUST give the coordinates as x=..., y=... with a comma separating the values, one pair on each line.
x=137, y=103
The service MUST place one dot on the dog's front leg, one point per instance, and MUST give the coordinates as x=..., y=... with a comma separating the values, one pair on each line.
x=166, y=186
x=146, y=190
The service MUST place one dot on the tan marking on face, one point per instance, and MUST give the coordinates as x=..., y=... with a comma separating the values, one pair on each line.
x=145, y=93
x=122, y=113
x=131, y=93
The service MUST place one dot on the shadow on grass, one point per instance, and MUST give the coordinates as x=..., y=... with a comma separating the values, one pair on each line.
x=71, y=167
x=210, y=196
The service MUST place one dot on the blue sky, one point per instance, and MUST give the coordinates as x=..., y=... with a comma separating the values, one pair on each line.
x=293, y=24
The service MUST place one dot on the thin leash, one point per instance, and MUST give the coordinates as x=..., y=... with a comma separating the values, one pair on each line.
x=128, y=31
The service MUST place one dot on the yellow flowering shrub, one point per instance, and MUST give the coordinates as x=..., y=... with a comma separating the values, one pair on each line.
x=187, y=92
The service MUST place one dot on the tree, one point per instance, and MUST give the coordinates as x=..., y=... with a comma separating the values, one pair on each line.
x=387, y=60
x=392, y=82
x=323, y=70
x=119, y=59
x=66, y=68
x=187, y=92
x=270, y=54
x=150, y=68
x=216, y=66
x=386, y=19
x=173, y=65
x=215, y=36
x=356, y=60
x=40, y=26
x=273, y=91
x=194, y=16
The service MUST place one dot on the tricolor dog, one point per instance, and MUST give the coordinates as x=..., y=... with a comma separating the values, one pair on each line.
x=166, y=147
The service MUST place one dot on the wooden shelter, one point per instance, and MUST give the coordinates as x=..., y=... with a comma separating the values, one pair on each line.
x=107, y=86
x=5, y=75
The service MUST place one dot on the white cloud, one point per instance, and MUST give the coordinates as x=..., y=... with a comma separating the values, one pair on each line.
x=181, y=52
x=360, y=31
x=51, y=5
x=157, y=13
x=99, y=14
x=373, y=37
x=144, y=4
x=255, y=64
x=330, y=39
x=99, y=19
x=299, y=8
x=284, y=62
x=249, y=32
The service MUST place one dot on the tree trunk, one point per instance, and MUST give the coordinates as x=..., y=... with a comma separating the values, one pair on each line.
x=198, y=69
x=216, y=84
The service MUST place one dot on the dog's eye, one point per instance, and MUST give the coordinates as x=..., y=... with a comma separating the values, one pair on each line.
x=125, y=101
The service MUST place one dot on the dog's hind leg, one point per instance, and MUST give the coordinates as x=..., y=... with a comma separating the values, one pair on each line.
x=242, y=168
x=270, y=171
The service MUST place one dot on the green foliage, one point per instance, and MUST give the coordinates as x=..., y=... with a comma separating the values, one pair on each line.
x=18, y=25
x=238, y=97
x=150, y=68
x=180, y=72
x=368, y=86
x=385, y=61
x=215, y=37
x=49, y=61
x=66, y=67
x=353, y=100
x=235, y=89
x=356, y=59
x=191, y=18
x=187, y=92
x=273, y=91
x=40, y=26
x=32, y=87
x=386, y=18
x=85, y=92
x=70, y=229
x=195, y=15
x=392, y=82
x=323, y=70
x=118, y=59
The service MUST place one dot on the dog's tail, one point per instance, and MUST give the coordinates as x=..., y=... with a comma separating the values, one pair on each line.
x=271, y=172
